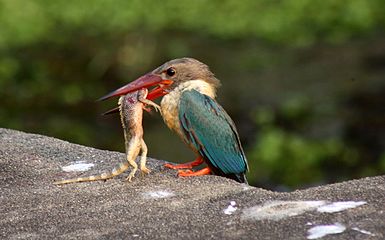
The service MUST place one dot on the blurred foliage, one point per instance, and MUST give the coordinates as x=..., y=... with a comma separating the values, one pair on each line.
x=308, y=72
x=281, y=153
x=291, y=21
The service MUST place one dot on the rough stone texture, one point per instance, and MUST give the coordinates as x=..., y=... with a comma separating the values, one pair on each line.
x=162, y=206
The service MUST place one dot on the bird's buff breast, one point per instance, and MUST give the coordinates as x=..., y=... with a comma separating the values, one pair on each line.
x=170, y=103
x=169, y=107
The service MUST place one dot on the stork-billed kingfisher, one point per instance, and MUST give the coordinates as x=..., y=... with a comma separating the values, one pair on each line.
x=189, y=108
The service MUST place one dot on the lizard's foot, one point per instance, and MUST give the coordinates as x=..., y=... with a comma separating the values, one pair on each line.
x=147, y=109
x=150, y=103
x=145, y=170
x=190, y=173
x=156, y=107
x=128, y=179
x=189, y=165
x=131, y=175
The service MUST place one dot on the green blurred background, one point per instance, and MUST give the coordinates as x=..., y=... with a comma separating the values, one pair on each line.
x=303, y=80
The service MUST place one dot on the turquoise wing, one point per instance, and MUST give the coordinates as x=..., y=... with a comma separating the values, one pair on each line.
x=209, y=129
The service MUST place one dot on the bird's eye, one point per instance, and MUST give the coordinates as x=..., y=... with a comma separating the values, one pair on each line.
x=171, y=71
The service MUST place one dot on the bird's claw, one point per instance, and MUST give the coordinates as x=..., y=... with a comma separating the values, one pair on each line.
x=176, y=166
x=185, y=173
x=188, y=165
x=190, y=173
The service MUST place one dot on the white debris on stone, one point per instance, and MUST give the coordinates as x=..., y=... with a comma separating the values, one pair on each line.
x=323, y=230
x=363, y=231
x=231, y=208
x=246, y=187
x=276, y=210
x=79, y=166
x=229, y=223
x=158, y=194
x=339, y=206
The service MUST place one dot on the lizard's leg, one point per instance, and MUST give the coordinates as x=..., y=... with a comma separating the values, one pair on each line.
x=134, y=169
x=198, y=161
x=143, y=158
x=150, y=103
x=132, y=152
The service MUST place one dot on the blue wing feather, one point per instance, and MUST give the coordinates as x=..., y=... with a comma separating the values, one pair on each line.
x=210, y=130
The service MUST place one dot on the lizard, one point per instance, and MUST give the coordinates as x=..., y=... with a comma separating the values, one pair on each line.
x=131, y=108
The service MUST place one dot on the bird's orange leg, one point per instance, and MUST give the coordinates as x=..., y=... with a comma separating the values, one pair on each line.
x=198, y=161
x=189, y=173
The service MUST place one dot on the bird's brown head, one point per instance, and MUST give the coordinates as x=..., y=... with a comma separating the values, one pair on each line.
x=169, y=76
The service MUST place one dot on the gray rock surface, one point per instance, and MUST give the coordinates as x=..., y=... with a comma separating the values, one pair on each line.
x=163, y=206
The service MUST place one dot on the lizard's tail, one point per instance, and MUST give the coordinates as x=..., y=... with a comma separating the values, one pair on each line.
x=115, y=172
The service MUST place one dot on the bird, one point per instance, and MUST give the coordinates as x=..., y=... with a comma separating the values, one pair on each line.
x=188, y=107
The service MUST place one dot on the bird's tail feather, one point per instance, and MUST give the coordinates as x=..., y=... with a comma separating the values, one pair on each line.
x=239, y=177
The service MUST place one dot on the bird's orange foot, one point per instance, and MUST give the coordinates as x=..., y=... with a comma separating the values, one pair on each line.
x=177, y=166
x=189, y=165
x=190, y=173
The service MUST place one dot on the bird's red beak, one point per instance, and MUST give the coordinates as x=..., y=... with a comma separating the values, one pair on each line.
x=146, y=81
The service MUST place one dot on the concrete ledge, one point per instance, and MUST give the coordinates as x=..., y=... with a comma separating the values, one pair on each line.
x=162, y=206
